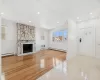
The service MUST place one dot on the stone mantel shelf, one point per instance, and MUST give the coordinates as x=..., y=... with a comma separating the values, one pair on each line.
x=26, y=40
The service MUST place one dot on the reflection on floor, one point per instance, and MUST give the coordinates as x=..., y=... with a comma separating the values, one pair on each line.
x=31, y=67
x=78, y=68
x=51, y=65
x=83, y=68
x=59, y=72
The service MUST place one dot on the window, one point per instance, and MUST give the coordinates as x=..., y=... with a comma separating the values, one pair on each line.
x=60, y=35
x=65, y=34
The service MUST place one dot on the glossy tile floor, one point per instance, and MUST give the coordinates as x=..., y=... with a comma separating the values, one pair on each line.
x=83, y=68
x=51, y=65
x=31, y=67
x=79, y=68
x=59, y=72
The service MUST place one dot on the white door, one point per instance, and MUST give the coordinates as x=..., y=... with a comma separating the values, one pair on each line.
x=87, y=41
x=98, y=42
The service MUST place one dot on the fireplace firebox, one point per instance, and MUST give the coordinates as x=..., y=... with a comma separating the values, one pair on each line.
x=27, y=48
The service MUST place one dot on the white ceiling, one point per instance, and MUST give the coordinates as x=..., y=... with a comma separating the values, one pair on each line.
x=51, y=11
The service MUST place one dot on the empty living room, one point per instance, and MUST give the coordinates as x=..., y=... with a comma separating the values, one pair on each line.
x=50, y=40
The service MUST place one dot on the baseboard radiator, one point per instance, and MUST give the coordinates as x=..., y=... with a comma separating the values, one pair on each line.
x=8, y=54
x=57, y=49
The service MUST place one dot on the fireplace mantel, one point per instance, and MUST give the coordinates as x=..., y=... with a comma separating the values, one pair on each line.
x=20, y=48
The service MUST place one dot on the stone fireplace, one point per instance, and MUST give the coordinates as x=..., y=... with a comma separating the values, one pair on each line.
x=25, y=39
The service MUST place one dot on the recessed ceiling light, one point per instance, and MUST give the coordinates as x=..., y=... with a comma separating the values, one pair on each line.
x=2, y=13
x=78, y=18
x=57, y=22
x=91, y=13
x=38, y=12
x=30, y=21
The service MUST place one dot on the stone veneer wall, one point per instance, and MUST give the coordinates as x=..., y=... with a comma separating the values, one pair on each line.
x=25, y=34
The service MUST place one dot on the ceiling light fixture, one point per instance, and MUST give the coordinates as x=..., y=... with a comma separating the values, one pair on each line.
x=2, y=13
x=78, y=18
x=90, y=13
x=57, y=22
x=38, y=12
x=30, y=21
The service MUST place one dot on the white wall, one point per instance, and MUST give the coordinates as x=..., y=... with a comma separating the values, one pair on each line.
x=9, y=44
x=57, y=45
x=40, y=32
x=72, y=39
